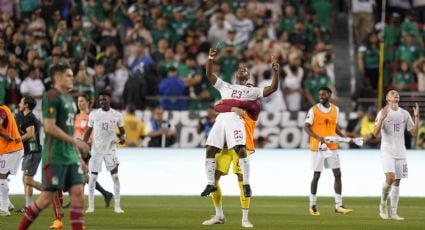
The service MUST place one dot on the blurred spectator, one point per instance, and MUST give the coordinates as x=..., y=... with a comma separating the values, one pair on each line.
x=292, y=83
x=313, y=83
x=173, y=86
x=159, y=54
x=205, y=123
x=325, y=12
x=367, y=126
x=274, y=102
x=353, y=127
x=161, y=132
x=135, y=91
x=101, y=81
x=139, y=33
x=139, y=59
x=297, y=38
x=3, y=88
x=368, y=62
x=118, y=79
x=419, y=68
x=408, y=51
x=410, y=26
x=228, y=59
x=168, y=62
x=419, y=7
x=242, y=25
x=134, y=128
x=363, y=20
x=27, y=7
x=83, y=84
x=33, y=86
x=404, y=79
x=218, y=30
x=13, y=92
x=420, y=142
x=179, y=23
x=286, y=23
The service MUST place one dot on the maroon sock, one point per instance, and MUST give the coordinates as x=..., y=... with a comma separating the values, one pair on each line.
x=30, y=215
x=60, y=195
x=77, y=218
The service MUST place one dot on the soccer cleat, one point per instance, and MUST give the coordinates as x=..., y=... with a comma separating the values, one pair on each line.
x=214, y=220
x=247, y=190
x=21, y=210
x=56, y=224
x=383, y=212
x=108, y=199
x=65, y=206
x=247, y=224
x=11, y=207
x=4, y=212
x=118, y=210
x=89, y=210
x=209, y=189
x=342, y=210
x=395, y=216
x=313, y=211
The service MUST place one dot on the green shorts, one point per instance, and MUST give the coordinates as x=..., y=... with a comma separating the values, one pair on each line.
x=62, y=177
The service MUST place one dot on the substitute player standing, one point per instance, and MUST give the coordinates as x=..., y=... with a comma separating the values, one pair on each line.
x=62, y=165
x=391, y=123
x=321, y=122
x=104, y=123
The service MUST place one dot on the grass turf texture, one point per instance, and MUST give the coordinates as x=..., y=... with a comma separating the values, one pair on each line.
x=188, y=212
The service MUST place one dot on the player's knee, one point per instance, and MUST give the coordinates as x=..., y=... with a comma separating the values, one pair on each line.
x=211, y=151
x=240, y=150
x=390, y=178
x=316, y=176
x=114, y=171
x=3, y=176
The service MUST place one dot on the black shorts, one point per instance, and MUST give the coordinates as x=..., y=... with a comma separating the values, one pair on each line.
x=30, y=163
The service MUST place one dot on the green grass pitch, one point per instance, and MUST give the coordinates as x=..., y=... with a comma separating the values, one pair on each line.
x=188, y=212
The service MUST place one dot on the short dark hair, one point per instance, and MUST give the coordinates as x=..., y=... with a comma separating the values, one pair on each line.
x=86, y=97
x=325, y=88
x=105, y=93
x=58, y=70
x=131, y=108
x=30, y=101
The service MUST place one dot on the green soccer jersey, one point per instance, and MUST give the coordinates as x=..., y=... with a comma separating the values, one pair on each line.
x=62, y=108
x=313, y=84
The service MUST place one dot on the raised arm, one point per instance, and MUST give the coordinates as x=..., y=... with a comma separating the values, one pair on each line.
x=380, y=120
x=212, y=77
x=275, y=80
x=415, y=129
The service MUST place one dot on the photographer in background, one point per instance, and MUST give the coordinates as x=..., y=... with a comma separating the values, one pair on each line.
x=161, y=132
x=205, y=123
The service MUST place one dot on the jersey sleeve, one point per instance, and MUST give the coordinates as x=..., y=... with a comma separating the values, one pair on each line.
x=120, y=122
x=310, y=117
x=91, y=119
x=50, y=105
x=378, y=117
x=260, y=92
x=410, y=123
x=219, y=84
x=29, y=121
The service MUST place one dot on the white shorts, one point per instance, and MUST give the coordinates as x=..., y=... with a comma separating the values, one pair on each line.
x=227, y=129
x=9, y=162
x=320, y=160
x=396, y=166
x=96, y=160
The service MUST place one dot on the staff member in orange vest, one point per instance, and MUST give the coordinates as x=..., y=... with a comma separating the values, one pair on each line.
x=11, y=151
x=321, y=121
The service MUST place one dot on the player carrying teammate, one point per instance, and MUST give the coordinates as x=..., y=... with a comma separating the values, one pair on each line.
x=62, y=165
x=391, y=123
x=321, y=122
x=229, y=127
x=104, y=123
x=226, y=157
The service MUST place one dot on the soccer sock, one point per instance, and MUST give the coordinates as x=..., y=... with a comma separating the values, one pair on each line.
x=244, y=163
x=28, y=200
x=4, y=194
x=313, y=199
x=338, y=200
x=101, y=189
x=385, y=191
x=210, y=170
x=76, y=218
x=116, y=181
x=92, y=185
x=217, y=196
x=395, y=191
x=60, y=196
x=55, y=206
x=245, y=214
x=30, y=215
x=245, y=201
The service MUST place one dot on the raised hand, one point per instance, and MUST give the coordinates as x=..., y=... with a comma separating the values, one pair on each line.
x=275, y=64
x=384, y=112
x=213, y=53
x=416, y=110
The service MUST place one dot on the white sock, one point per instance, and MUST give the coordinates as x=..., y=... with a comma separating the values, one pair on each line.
x=219, y=212
x=4, y=194
x=92, y=186
x=28, y=201
x=245, y=166
x=210, y=170
x=395, y=191
x=116, y=181
x=313, y=199
x=338, y=200
x=385, y=191
x=245, y=214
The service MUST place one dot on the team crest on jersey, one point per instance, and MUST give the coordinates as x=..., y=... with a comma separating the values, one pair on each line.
x=55, y=180
x=51, y=110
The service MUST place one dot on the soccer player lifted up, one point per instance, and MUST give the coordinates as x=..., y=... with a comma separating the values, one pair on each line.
x=249, y=111
x=62, y=165
x=321, y=122
x=229, y=127
x=104, y=123
x=391, y=123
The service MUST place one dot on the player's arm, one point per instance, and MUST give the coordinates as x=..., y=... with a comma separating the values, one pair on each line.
x=414, y=130
x=212, y=77
x=380, y=121
x=52, y=129
x=275, y=80
x=307, y=126
x=339, y=132
x=122, y=135
x=3, y=120
x=87, y=134
x=29, y=133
